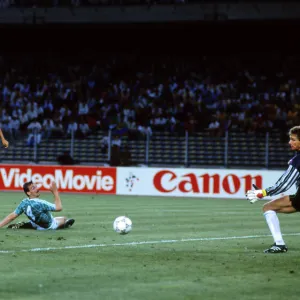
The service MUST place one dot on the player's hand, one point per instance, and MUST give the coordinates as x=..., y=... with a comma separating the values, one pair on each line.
x=53, y=187
x=254, y=195
x=5, y=143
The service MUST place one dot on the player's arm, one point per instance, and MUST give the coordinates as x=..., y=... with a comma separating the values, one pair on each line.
x=5, y=143
x=283, y=184
x=57, y=201
x=8, y=219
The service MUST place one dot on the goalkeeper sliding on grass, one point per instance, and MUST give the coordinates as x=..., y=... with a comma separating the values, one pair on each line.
x=38, y=211
x=286, y=204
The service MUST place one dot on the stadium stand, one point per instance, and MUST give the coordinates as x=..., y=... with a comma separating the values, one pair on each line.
x=182, y=108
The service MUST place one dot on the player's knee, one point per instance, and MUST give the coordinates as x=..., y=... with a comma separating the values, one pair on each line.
x=266, y=207
x=269, y=206
x=277, y=204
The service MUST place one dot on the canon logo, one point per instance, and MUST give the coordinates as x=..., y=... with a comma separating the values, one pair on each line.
x=166, y=181
x=65, y=179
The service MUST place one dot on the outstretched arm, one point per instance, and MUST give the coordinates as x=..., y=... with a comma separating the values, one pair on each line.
x=5, y=143
x=283, y=184
x=57, y=201
x=8, y=219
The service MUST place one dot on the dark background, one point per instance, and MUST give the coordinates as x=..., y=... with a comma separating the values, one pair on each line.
x=215, y=37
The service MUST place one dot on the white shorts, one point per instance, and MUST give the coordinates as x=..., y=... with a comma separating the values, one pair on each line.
x=53, y=226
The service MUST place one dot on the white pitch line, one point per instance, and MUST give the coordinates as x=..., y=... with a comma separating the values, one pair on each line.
x=141, y=243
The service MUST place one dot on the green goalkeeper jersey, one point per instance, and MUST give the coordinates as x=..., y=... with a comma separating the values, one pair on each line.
x=37, y=210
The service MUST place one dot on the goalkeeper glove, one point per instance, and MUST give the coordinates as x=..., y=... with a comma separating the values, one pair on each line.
x=255, y=195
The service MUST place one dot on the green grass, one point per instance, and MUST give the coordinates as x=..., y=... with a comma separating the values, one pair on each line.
x=191, y=269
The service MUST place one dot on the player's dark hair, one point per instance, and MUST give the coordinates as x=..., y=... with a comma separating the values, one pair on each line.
x=295, y=130
x=26, y=187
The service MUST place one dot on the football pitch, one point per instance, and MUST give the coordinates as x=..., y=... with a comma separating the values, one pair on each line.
x=179, y=248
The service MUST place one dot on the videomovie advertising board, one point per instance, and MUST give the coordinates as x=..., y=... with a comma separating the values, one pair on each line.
x=83, y=179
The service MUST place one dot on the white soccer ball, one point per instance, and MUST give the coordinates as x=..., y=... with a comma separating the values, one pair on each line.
x=122, y=225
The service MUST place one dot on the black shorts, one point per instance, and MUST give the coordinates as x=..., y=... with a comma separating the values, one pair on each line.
x=295, y=199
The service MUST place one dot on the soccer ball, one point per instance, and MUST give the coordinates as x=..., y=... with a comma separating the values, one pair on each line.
x=122, y=225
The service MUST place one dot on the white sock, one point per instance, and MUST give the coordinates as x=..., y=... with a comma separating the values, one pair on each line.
x=274, y=226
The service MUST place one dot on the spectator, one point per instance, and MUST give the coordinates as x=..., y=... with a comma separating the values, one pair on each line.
x=66, y=159
x=48, y=126
x=35, y=133
x=126, y=156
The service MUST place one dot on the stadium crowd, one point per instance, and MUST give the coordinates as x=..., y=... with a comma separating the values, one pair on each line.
x=55, y=96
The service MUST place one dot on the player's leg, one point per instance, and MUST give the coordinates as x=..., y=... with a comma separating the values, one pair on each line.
x=22, y=225
x=58, y=223
x=280, y=205
x=270, y=209
x=63, y=222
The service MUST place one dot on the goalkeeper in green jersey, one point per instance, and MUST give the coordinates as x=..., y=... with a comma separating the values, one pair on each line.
x=38, y=211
